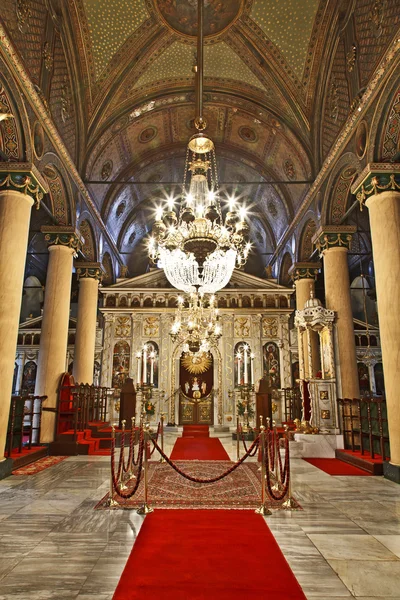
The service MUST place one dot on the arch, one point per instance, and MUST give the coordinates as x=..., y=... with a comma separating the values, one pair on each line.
x=152, y=356
x=13, y=141
x=108, y=278
x=32, y=298
x=305, y=246
x=284, y=277
x=89, y=245
x=336, y=199
x=384, y=129
x=57, y=194
x=28, y=378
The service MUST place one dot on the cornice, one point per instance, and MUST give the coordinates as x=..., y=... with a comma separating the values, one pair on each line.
x=24, y=178
x=375, y=179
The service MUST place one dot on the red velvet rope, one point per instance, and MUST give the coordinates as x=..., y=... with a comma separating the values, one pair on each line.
x=158, y=433
x=127, y=495
x=244, y=441
x=128, y=466
x=280, y=496
x=214, y=479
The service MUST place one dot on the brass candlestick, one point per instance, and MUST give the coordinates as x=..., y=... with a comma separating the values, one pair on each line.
x=145, y=509
x=162, y=459
x=263, y=509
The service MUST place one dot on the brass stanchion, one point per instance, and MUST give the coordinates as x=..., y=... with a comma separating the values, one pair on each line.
x=111, y=501
x=121, y=482
x=263, y=509
x=145, y=509
x=276, y=487
x=289, y=503
x=131, y=474
x=237, y=439
x=162, y=459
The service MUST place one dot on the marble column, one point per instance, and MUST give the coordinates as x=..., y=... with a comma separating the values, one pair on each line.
x=303, y=275
x=379, y=187
x=89, y=275
x=20, y=187
x=64, y=243
x=333, y=243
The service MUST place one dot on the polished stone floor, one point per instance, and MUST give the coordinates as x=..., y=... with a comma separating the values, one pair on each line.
x=344, y=544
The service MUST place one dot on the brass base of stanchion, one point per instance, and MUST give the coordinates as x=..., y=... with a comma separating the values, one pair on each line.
x=289, y=504
x=162, y=460
x=122, y=486
x=263, y=510
x=145, y=509
x=111, y=503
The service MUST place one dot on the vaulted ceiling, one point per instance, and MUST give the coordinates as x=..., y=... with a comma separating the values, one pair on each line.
x=136, y=59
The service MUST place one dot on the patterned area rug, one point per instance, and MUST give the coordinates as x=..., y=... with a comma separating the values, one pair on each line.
x=168, y=489
x=39, y=465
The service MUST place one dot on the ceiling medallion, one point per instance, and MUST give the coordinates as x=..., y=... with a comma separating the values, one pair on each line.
x=147, y=134
x=196, y=246
x=181, y=17
x=247, y=134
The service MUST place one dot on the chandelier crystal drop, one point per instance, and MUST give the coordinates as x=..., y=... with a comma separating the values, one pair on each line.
x=195, y=245
x=196, y=325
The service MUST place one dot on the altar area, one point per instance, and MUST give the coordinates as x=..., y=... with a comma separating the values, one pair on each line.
x=254, y=314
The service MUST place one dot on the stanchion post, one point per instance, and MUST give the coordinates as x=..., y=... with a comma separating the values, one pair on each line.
x=162, y=459
x=237, y=439
x=121, y=482
x=145, y=509
x=131, y=474
x=276, y=487
x=263, y=509
x=111, y=501
x=289, y=503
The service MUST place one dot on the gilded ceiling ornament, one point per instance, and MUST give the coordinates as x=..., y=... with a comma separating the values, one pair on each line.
x=24, y=12
x=289, y=169
x=270, y=327
x=106, y=170
x=197, y=363
x=47, y=56
x=351, y=58
x=333, y=100
x=242, y=327
x=376, y=17
x=65, y=101
x=151, y=326
x=123, y=327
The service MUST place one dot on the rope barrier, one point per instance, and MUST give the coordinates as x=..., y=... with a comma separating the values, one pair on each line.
x=114, y=477
x=244, y=441
x=280, y=496
x=158, y=433
x=214, y=479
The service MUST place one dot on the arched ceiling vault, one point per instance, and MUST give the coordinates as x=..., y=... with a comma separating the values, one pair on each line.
x=261, y=63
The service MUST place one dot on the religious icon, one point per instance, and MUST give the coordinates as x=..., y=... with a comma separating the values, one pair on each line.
x=203, y=388
x=195, y=385
x=187, y=387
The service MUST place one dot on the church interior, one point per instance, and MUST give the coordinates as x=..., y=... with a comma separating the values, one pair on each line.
x=199, y=299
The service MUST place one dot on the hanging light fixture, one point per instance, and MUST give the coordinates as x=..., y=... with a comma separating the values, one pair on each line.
x=195, y=246
x=196, y=326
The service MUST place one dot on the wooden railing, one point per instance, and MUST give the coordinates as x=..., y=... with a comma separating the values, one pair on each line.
x=24, y=423
x=79, y=405
x=364, y=425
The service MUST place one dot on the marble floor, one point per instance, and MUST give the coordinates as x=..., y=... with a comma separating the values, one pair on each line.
x=53, y=545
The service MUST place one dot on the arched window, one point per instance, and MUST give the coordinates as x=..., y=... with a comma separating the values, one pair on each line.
x=29, y=378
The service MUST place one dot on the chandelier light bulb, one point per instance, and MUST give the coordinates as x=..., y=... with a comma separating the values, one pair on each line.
x=159, y=213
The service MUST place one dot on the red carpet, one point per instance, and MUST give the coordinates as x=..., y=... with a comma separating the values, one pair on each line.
x=196, y=431
x=206, y=555
x=333, y=466
x=189, y=448
x=366, y=456
x=39, y=465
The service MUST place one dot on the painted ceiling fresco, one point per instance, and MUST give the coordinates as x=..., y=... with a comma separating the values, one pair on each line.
x=260, y=73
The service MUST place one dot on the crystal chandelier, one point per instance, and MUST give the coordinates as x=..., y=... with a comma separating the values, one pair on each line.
x=195, y=246
x=197, y=326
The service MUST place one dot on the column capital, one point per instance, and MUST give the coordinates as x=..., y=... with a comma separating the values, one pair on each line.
x=375, y=179
x=23, y=178
x=331, y=236
x=304, y=270
x=62, y=235
x=91, y=270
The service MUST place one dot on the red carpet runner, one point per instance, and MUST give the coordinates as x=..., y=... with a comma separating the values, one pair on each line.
x=333, y=466
x=206, y=555
x=197, y=445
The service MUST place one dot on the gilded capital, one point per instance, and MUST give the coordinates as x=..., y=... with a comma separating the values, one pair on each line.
x=333, y=236
x=304, y=270
x=23, y=178
x=375, y=179
x=62, y=235
x=91, y=270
